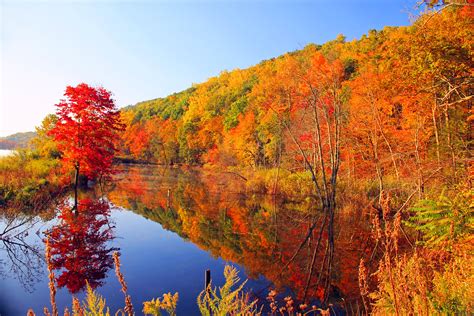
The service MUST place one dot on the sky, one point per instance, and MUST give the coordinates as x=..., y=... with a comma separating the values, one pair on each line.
x=142, y=50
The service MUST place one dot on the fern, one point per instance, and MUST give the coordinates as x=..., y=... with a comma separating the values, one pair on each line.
x=446, y=220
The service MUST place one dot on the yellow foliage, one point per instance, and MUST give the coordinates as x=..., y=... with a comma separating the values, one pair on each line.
x=167, y=303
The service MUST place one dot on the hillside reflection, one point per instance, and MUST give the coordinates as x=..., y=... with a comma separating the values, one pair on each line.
x=79, y=244
x=261, y=233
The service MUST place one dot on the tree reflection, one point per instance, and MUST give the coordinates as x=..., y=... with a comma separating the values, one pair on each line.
x=79, y=245
x=23, y=254
x=261, y=233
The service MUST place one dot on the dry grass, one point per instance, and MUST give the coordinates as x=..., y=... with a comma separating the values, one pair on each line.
x=128, y=300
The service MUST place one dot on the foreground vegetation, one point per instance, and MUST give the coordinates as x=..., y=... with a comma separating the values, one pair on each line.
x=433, y=276
x=226, y=300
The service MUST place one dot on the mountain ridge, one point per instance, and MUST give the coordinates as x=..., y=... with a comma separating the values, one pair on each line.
x=16, y=140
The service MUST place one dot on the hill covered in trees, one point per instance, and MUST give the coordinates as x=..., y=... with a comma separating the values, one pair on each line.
x=17, y=140
x=403, y=97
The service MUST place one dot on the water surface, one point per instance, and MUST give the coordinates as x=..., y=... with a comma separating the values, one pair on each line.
x=169, y=226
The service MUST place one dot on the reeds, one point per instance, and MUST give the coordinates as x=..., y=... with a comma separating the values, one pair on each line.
x=118, y=273
x=52, y=287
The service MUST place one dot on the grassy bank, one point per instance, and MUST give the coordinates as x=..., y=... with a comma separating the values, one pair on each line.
x=29, y=180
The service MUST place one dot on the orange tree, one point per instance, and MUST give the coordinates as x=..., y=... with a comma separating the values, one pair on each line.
x=86, y=131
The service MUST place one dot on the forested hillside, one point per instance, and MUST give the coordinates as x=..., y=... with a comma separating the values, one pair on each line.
x=17, y=140
x=397, y=102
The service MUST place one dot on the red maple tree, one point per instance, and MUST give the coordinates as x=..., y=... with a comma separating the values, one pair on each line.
x=87, y=131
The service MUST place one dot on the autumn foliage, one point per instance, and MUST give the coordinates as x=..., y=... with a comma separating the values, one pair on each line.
x=403, y=96
x=372, y=128
x=86, y=130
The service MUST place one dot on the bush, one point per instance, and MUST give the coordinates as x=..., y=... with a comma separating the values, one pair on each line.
x=282, y=182
x=25, y=176
x=226, y=300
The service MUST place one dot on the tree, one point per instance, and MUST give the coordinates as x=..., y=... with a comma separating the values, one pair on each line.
x=43, y=143
x=86, y=131
x=309, y=99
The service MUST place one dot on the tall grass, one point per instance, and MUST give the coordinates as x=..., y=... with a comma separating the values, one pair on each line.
x=280, y=182
x=27, y=179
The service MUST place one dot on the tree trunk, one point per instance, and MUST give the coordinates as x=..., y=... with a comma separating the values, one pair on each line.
x=418, y=164
x=450, y=141
x=76, y=183
x=435, y=127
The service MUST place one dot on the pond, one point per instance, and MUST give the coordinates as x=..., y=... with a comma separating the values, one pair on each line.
x=170, y=226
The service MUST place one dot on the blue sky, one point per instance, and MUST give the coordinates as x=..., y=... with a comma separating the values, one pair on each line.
x=142, y=50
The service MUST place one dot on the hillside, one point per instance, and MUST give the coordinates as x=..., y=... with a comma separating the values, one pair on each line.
x=17, y=140
x=393, y=88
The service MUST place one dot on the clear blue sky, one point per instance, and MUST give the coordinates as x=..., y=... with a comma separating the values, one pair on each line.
x=147, y=49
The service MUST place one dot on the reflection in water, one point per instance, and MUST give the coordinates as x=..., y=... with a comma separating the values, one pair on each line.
x=23, y=253
x=213, y=211
x=261, y=233
x=79, y=245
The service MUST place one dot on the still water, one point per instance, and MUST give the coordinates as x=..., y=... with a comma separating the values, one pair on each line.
x=6, y=152
x=169, y=226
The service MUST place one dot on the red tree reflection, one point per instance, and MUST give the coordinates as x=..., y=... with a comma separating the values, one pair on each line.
x=79, y=245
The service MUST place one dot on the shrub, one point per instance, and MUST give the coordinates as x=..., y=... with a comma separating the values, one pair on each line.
x=226, y=300
x=167, y=303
